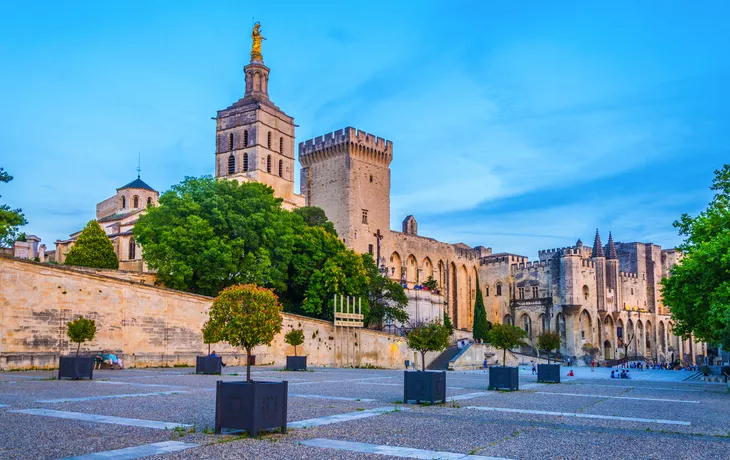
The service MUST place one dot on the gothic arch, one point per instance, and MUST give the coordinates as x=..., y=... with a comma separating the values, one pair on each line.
x=442, y=274
x=124, y=202
x=411, y=270
x=427, y=270
x=132, y=249
x=454, y=296
x=631, y=337
x=396, y=266
x=526, y=325
x=507, y=319
x=464, y=306
x=586, y=328
x=135, y=202
x=649, y=344
x=542, y=321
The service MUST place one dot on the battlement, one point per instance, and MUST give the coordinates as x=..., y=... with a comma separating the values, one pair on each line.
x=588, y=263
x=628, y=275
x=560, y=252
x=346, y=140
x=526, y=266
x=501, y=259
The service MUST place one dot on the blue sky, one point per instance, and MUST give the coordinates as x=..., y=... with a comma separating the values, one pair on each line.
x=516, y=125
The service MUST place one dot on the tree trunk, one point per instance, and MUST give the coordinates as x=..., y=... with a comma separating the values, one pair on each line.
x=248, y=364
x=295, y=350
x=504, y=358
x=423, y=361
x=208, y=349
x=77, y=349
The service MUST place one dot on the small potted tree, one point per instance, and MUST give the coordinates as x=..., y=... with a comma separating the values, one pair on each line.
x=210, y=364
x=246, y=315
x=295, y=338
x=77, y=367
x=505, y=337
x=426, y=385
x=547, y=342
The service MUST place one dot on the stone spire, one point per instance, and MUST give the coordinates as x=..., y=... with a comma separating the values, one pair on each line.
x=611, y=248
x=598, y=246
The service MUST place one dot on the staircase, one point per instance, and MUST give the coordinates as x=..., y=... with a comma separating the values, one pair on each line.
x=441, y=363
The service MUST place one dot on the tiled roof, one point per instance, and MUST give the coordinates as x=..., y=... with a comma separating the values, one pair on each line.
x=137, y=183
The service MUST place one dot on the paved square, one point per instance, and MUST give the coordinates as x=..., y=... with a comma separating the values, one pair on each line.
x=357, y=413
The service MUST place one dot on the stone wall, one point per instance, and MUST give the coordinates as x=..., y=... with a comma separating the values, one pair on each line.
x=149, y=325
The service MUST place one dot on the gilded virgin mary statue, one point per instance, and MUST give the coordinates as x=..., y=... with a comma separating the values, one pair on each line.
x=256, y=38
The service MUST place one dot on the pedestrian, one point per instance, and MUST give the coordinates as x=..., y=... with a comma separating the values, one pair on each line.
x=593, y=365
x=534, y=369
x=485, y=363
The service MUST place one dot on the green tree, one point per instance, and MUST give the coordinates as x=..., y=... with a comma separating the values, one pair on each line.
x=10, y=219
x=315, y=217
x=81, y=330
x=505, y=337
x=294, y=338
x=698, y=290
x=387, y=300
x=447, y=322
x=245, y=315
x=481, y=326
x=207, y=234
x=548, y=341
x=92, y=249
x=427, y=336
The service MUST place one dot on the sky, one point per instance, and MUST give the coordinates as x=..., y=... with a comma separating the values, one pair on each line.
x=516, y=125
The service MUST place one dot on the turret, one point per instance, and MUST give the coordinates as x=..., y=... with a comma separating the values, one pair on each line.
x=612, y=277
x=599, y=257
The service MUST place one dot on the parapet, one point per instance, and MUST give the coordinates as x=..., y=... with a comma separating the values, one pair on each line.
x=527, y=266
x=588, y=263
x=560, y=252
x=628, y=275
x=347, y=140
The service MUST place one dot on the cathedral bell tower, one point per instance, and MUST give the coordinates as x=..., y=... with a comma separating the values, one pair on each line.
x=254, y=137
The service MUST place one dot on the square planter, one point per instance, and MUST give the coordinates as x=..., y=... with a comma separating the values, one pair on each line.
x=296, y=363
x=424, y=386
x=504, y=378
x=548, y=373
x=208, y=364
x=250, y=406
x=75, y=367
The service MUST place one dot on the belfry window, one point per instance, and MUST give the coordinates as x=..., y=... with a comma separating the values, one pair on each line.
x=245, y=161
x=281, y=168
x=281, y=145
x=268, y=141
x=124, y=202
x=268, y=164
x=245, y=137
x=135, y=202
x=231, y=164
x=132, y=249
x=230, y=141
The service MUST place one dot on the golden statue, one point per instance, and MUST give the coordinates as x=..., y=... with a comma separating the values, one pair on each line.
x=256, y=37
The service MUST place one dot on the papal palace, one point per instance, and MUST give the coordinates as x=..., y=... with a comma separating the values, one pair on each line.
x=605, y=295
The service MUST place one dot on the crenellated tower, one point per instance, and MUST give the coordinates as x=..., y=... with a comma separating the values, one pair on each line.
x=599, y=257
x=347, y=174
x=612, y=278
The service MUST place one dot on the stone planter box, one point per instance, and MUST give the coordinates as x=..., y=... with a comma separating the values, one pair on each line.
x=75, y=367
x=208, y=364
x=504, y=378
x=296, y=363
x=424, y=386
x=250, y=406
x=548, y=373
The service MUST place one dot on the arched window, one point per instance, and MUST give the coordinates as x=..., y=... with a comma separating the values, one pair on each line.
x=486, y=291
x=268, y=141
x=124, y=202
x=281, y=145
x=231, y=164
x=586, y=292
x=132, y=249
x=135, y=202
x=499, y=289
x=230, y=141
x=245, y=161
x=245, y=138
x=268, y=164
x=281, y=168
x=149, y=200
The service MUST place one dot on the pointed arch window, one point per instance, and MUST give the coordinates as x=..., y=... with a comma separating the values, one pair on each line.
x=124, y=202
x=231, y=164
x=499, y=289
x=245, y=138
x=268, y=164
x=230, y=141
x=132, y=249
x=149, y=201
x=135, y=202
x=281, y=145
x=245, y=161
x=281, y=168
x=268, y=141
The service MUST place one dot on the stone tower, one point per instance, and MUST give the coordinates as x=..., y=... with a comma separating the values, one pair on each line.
x=612, y=276
x=599, y=257
x=255, y=138
x=347, y=174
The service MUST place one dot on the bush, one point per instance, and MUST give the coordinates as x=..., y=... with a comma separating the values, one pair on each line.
x=294, y=338
x=431, y=284
x=92, y=249
x=81, y=330
x=427, y=336
x=548, y=341
x=505, y=337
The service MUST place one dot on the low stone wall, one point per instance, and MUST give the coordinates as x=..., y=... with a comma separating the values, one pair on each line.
x=152, y=326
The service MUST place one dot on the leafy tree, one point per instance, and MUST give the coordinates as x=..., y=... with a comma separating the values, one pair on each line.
x=210, y=336
x=294, y=338
x=698, y=290
x=245, y=315
x=427, y=336
x=81, y=330
x=387, y=301
x=447, y=322
x=548, y=341
x=431, y=284
x=208, y=234
x=481, y=326
x=10, y=219
x=505, y=337
x=315, y=217
x=92, y=249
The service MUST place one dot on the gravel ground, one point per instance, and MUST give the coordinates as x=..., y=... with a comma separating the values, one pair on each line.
x=451, y=428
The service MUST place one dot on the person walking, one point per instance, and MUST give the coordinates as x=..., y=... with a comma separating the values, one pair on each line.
x=593, y=365
x=534, y=369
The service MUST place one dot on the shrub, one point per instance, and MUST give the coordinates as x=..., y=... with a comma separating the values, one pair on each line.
x=92, y=249
x=548, y=341
x=81, y=330
x=294, y=338
x=505, y=337
x=427, y=336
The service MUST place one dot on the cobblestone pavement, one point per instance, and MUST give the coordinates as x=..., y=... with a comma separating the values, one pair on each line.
x=357, y=413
